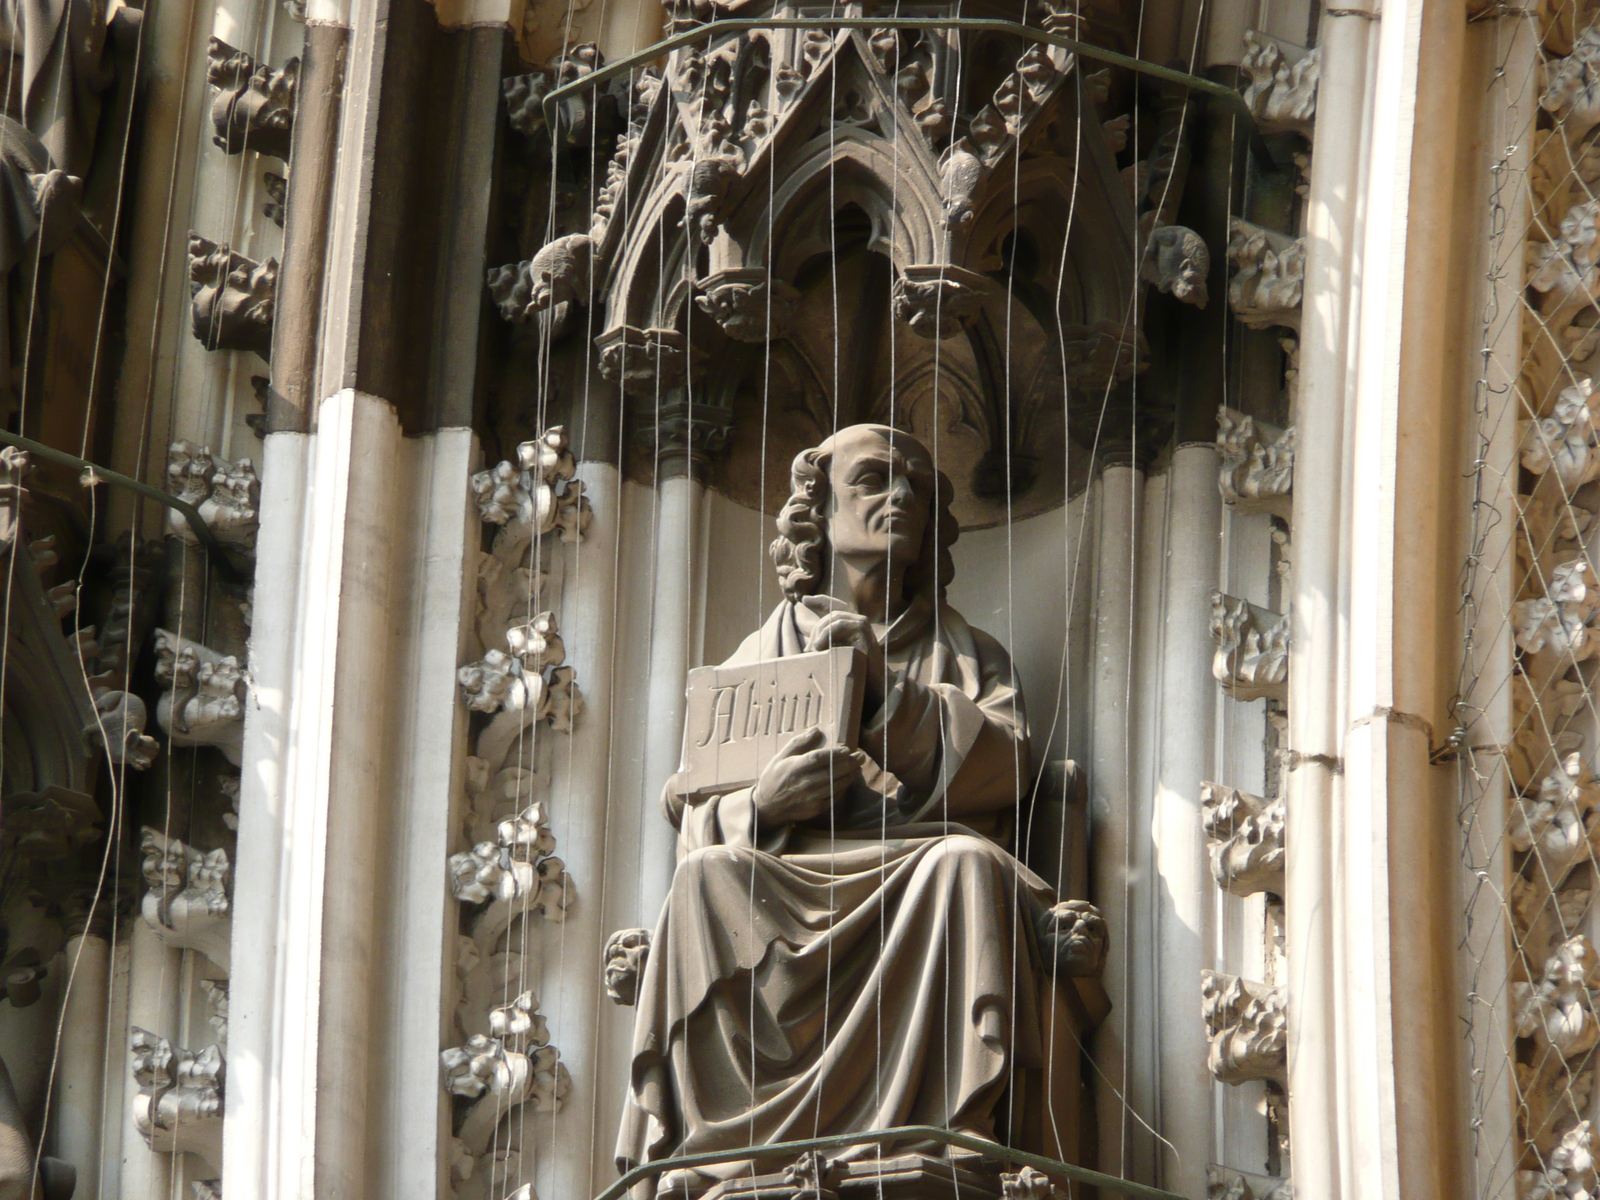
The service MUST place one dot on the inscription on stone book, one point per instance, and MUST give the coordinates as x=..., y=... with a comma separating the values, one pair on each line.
x=738, y=717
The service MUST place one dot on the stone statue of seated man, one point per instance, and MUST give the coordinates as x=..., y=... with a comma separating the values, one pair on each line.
x=847, y=945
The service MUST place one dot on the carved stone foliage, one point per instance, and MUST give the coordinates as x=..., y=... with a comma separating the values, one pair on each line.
x=622, y=962
x=648, y=363
x=1257, y=469
x=1245, y=839
x=1247, y=1027
x=232, y=298
x=254, y=105
x=509, y=874
x=1282, y=88
x=203, y=694
x=187, y=901
x=1554, y=632
x=1252, y=655
x=499, y=1072
x=1268, y=275
x=178, y=1107
x=226, y=493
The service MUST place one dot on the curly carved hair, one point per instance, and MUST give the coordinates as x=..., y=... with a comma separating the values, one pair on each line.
x=800, y=551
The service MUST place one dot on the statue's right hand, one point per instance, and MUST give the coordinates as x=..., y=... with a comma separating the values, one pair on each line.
x=803, y=779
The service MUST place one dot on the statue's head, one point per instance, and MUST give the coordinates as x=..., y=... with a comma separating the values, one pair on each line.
x=867, y=490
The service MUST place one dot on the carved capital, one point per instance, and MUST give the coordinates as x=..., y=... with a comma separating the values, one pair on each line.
x=203, y=694
x=679, y=429
x=1268, y=275
x=748, y=305
x=1257, y=469
x=1245, y=836
x=226, y=493
x=254, y=105
x=178, y=1107
x=232, y=298
x=624, y=958
x=1282, y=92
x=51, y=824
x=1252, y=655
x=561, y=273
x=937, y=301
x=187, y=904
x=1247, y=1027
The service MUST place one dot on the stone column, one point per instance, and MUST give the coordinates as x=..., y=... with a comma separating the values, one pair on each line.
x=80, y=1077
x=154, y=982
x=1184, y=759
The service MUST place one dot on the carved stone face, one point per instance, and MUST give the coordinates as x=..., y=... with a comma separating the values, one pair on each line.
x=880, y=494
x=625, y=954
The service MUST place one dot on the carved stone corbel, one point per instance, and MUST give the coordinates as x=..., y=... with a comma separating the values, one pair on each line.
x=517, y=873
x=538, y=495
x=938, y=300
x=561, y=273
x=187, y=904
x=623, y=962
x=1245, y=836
x=1103, y=354
x=232, y=298
x=178, y=1107
x=1282, y=92
x=203, y=694
x=1252, y=656
x=226, y=493
x=1247, y=1027
x=1268, y=275
x=1257, y=469
x=748, y=305
x=254, y=106
x=648, y=363
x=51, y=824
x=119, y=729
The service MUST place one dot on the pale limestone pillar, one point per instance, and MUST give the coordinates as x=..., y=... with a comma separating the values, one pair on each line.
x=154, y=984
x=1184, y=758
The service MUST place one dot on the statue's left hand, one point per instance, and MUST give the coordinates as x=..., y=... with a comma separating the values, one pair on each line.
x=844, y=628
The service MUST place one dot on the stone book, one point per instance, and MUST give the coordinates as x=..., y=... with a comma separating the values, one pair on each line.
x=738, y=717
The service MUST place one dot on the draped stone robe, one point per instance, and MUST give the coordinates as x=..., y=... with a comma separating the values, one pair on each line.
x=869, y=968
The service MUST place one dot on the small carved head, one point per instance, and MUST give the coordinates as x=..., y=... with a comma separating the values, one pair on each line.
x=1072, y=936
x=881, y=487
x=625, y=955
